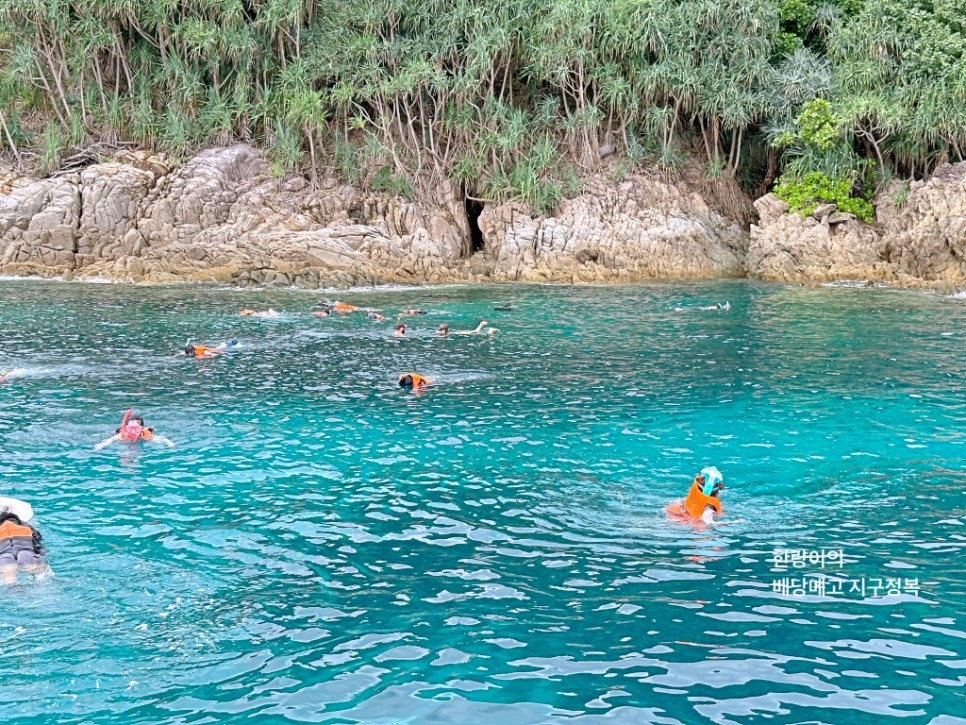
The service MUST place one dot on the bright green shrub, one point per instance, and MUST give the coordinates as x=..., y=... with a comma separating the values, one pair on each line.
x=812, y=190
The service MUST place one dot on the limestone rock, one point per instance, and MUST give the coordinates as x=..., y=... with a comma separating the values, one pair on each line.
x=642, y=228
x=789, y=247
x=220, y=216
x=919, y=239
x=38, y=226
x=926, y=237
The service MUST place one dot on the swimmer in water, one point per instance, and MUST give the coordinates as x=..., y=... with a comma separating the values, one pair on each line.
x=133, y=430
x=414, y=381
x=322, y=313
x=20, y=544
x=718, y=307
x=400, y=330
x=703, y=501
x=258, y=313
x=477, y=331
x=202, y=351
x=443, y=330
x=413, y=312
x=375, y=316
x=342, y=308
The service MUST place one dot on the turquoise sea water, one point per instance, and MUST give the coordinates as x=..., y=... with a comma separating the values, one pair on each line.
x=322, y=546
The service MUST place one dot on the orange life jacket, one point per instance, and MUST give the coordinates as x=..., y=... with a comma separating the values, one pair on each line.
x=419, y=381
x=202, y=351
x=10, y=530
x=15, y=537
x=342, y=307
x=696, y=501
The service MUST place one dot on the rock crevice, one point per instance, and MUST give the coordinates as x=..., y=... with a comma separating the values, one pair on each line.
x=220, y=216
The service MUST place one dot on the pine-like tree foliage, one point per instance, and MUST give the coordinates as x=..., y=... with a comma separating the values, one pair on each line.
x=510, y=98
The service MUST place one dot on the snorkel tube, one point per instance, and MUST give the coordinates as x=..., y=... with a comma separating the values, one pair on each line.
x=130, y=431
x=702, y=494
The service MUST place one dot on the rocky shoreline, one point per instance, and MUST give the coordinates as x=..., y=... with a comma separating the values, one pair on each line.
x=221, y=217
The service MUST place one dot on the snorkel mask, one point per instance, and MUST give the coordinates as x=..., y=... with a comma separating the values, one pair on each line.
x=712, y=476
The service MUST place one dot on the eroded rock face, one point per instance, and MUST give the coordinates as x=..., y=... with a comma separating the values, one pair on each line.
x=220, y=216
x=828, y=245
x=926, y=233
x=919, y=238
x=642, y=228
x=38, y=225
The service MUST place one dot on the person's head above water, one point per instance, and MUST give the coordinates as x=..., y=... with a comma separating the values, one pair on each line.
x=412, y=380
x=710, y=480
x=442, y=330
x=400, y=329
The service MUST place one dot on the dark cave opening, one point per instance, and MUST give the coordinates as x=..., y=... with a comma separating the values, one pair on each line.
x=474, y=208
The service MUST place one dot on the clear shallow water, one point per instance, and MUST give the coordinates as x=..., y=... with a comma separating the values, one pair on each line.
x=322, y=546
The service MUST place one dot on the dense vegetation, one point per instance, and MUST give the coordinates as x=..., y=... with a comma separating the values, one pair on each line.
x=507, y=97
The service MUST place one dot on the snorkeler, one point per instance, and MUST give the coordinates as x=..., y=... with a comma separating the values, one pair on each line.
x=413, y=312
x=718, y=307
x=20, y=544
x=414, y=381
x=443, y=330
x=400, y=330
x=203, y=351
x=704, y=496
x=375, y=316
x=133, y=430
x=258, y=313
x=477, y=331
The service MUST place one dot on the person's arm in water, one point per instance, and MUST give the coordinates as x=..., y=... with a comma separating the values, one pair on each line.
x=107, y=442
x=38, y=542
x=477, y=331
x=161, y=439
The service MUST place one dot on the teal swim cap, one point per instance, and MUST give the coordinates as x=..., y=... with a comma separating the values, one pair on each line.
x=712, y=476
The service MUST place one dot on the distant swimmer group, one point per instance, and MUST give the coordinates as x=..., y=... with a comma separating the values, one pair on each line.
x=133, y=430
